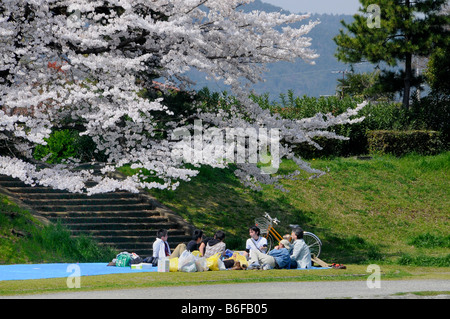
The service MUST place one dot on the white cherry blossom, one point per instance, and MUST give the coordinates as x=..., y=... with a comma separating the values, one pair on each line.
x=83, y=64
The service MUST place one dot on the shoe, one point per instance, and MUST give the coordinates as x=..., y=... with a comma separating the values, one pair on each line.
x=254, y=265
x=266, y=267
x=338, y=266
x=237, y=266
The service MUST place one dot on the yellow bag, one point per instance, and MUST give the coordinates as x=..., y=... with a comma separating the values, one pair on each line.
x=213, y=262
x=240, y=258
x=173, y=264
x=196, y=253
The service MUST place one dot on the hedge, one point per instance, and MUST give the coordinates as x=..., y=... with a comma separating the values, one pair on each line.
x=399, y=143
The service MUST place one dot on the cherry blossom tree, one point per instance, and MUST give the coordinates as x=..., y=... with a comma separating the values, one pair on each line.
x=83, y=64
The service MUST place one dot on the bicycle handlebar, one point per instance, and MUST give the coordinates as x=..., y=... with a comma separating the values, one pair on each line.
x=272, y=220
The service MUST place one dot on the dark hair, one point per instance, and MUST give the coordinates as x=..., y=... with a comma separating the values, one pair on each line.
x=161, y=233
x=255, y=229
x=298, y=231
x=220, y=235
x=198, y=233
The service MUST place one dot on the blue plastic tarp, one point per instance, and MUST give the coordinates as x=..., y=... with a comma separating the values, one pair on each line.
x=42, y=271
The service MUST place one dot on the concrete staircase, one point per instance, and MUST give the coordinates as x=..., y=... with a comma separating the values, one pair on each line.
x=125, y=221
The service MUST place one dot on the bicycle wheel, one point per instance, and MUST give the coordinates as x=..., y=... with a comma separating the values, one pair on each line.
x=313, y=242
x=270, y=242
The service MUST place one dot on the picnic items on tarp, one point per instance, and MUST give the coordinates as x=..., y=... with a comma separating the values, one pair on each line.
x=201, y=264
x=240, y=261
x=123, y=259
x=215, y=262
x=338, y=266
x=163, y=262
x=186, y=262
x=173, y=267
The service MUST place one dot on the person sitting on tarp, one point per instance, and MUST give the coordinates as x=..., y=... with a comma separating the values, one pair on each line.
x=299, y=253
x=196, y=241
x=161, y=245
x=215, y=245
x=256, y=241
x=277, y=258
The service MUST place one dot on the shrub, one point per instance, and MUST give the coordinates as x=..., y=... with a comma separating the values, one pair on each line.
x=428, y=240
x=432, y=113
x=65, y=144
x=424, y=261
x=399, y=143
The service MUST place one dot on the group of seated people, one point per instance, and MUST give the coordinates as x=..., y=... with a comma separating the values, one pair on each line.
x=284, y=256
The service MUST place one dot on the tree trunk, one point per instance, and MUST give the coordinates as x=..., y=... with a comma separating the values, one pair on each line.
x=408, y=70
x=407, y=80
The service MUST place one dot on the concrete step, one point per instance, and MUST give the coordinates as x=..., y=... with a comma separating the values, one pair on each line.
x=7, y=178
x=139, y=239
x=19, y=183
x=73, y=196
x=123, y=220
x=83, y=201
x=35, y=189
x=149, y=233
x=112, y=220
x=100, y=214
x=120, y=226
x=88, y=208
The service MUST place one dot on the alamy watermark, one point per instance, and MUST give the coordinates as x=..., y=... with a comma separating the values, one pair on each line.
x=229, y=145
x=74, y=279
x=374, y=280
x=374, y=18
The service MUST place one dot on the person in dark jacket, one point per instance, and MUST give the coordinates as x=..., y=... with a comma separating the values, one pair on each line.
x=196, y=241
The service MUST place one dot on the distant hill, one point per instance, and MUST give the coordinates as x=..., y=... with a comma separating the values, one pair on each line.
x=302, y=78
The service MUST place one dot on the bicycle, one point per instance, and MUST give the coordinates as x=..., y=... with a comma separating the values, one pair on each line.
x=265, y=224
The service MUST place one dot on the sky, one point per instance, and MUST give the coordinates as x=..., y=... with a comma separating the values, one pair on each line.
x=317, y=6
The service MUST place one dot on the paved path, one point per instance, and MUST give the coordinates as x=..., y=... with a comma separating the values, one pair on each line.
x=258, y=291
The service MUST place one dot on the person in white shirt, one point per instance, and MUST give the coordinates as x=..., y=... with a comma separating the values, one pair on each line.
x=256, y=241
x=161, y=245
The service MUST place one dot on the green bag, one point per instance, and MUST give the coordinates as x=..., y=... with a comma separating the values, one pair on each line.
x=123, y=260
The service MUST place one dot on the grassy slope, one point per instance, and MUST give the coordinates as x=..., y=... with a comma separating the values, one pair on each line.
x=362, y=210
x=24, y=240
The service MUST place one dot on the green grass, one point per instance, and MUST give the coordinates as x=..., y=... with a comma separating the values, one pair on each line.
x=149, y=280
x=424, y=293
x=386, y=210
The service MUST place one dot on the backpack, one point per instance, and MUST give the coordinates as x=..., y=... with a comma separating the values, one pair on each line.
x=135, y=259
x=123, y=260
x=151, y=260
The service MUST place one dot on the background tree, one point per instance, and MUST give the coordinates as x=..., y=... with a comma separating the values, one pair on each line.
x=365, y=85
x=406, y=28
x=439, y=63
